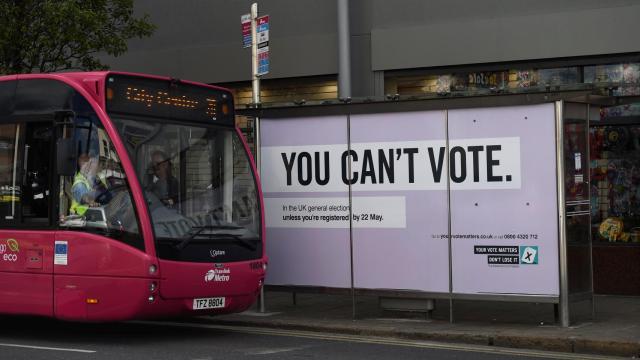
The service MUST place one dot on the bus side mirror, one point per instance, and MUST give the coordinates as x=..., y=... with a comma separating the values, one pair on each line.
x=66, y=160
x=65, y=147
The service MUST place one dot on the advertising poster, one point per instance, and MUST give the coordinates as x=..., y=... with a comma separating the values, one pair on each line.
x=499, y=164
x=503, y=204
x=306, y=203
x=399, y=198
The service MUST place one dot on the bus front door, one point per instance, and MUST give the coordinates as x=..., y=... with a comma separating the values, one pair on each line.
x=26, y=241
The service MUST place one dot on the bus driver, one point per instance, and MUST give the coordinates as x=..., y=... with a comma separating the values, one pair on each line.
x=88, y=189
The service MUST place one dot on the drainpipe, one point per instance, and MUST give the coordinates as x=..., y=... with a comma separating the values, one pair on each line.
x=344, y=51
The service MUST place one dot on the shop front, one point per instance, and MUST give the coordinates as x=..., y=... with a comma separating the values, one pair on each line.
x=614, y=142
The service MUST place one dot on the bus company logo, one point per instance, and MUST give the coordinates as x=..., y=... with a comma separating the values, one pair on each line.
x=215, y=253
x=217, y=275
x=529, y=255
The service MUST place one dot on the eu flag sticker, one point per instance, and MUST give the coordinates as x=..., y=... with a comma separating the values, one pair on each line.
x=529, y=255
x=61, y=251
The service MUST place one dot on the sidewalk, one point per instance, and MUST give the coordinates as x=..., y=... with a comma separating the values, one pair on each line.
x=615, y=331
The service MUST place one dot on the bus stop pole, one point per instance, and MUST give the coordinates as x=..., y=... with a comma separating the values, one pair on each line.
x=254, y=56
x=255, y=82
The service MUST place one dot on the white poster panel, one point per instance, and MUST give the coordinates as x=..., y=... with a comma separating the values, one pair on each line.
x=505, y=240
x=307, y=236
x=498, y=162
x=402, y=155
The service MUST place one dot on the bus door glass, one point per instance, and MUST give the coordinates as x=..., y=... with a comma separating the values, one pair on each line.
x=36, y=177
x=26, y=238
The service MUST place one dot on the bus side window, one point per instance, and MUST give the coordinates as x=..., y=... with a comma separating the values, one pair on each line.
x=9, y=176
x=25, y=173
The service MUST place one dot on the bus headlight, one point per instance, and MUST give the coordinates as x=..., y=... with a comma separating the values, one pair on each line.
x=153, y=286
x=152, y=269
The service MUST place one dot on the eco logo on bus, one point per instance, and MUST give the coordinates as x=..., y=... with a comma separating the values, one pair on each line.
x=13, y=245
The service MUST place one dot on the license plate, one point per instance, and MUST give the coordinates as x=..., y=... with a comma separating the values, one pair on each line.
x=208, y=303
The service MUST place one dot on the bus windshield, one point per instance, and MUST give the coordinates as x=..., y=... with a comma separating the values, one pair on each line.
x=199, y=187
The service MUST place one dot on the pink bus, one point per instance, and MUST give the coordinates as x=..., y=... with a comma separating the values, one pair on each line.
x=125, y=196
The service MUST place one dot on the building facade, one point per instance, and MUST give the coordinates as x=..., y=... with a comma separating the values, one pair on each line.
x=414, y=49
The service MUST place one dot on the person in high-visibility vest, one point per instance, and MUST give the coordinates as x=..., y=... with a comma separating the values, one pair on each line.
x=87, y=186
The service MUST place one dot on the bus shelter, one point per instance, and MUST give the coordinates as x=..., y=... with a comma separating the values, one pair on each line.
x=481, y=198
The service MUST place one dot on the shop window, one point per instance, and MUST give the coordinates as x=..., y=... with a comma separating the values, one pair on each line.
x=558, y=76
x=484, y=81
x=615, y=182
x=622, y=111
x=479, y=81
x=626, y=77
x=524, y=78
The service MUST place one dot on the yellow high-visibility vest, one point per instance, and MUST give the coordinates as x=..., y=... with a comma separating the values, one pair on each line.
x=76, y=207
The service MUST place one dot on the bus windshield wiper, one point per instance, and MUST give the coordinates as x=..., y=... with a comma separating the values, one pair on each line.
x=247, y=243
x=184, y=242
x=219, y=227
x=199, y=229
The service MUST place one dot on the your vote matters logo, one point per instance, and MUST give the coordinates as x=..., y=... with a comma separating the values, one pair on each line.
x=509, y=255
x=529, y=255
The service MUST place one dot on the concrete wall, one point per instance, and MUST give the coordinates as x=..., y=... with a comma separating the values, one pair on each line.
x=455, y=32
x=201, y=40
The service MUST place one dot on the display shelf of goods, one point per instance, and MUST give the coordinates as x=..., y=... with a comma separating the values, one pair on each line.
x=615, y=184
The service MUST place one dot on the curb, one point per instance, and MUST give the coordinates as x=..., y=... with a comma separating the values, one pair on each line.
x=554, y=344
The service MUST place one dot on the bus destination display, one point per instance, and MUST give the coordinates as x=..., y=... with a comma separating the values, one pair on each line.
x=168, y=99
